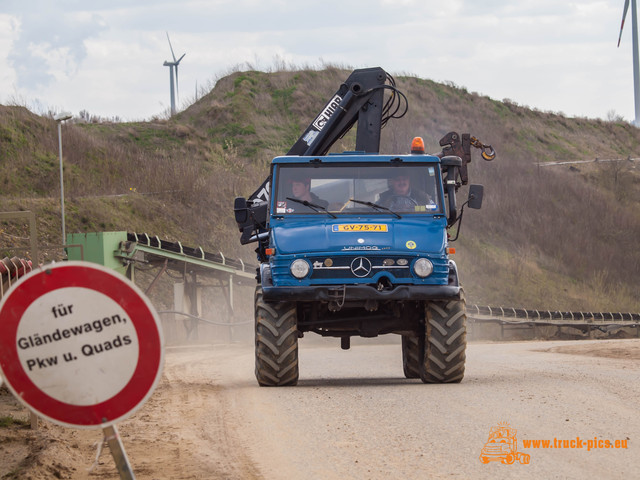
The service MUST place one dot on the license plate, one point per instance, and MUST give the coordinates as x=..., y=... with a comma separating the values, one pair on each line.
x=360, y=227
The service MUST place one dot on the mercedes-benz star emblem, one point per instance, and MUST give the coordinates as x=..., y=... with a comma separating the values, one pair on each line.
x=361, y=267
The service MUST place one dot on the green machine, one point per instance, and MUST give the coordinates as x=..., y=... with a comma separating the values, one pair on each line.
x=97, y=247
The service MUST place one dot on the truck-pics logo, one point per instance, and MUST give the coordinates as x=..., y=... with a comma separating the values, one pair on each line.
x=502, y=446
x=331, y=107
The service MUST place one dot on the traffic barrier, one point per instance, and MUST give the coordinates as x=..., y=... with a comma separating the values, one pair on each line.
x=520, y=318
x=11, y=269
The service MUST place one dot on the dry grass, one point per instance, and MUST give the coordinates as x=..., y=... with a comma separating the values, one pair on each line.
x=546, y=236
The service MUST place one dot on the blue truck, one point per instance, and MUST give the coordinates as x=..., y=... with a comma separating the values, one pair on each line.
x=358, y=243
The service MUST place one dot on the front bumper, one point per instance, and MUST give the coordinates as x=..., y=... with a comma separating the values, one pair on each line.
x=327, y=293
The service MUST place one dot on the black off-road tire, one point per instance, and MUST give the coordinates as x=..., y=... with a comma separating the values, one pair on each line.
x=276, y=342
x=412, y=347
x=445, y=342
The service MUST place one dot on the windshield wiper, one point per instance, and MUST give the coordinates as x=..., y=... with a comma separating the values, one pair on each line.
x=317, y=208
x=376, y=206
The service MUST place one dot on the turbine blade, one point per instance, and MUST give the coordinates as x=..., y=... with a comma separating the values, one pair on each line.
x=624, y=15
x=178, y=61
x=174, y=55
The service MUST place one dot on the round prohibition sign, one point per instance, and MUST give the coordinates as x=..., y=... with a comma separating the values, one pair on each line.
x=80, y=344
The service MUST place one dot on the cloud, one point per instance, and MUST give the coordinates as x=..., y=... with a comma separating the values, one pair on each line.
x=8, y=31
x=49, y=43
x=106, y=56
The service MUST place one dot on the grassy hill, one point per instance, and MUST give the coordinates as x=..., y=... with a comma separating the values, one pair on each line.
x=558, y=237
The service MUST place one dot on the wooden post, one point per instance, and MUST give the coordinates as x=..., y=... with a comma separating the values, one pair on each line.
x=34, y=421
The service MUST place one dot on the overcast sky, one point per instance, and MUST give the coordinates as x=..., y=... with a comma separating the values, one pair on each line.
x=107, y=57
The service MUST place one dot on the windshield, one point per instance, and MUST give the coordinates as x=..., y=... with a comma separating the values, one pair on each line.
x=362, y=188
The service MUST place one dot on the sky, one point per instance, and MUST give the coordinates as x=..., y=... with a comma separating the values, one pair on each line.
x=106, y=57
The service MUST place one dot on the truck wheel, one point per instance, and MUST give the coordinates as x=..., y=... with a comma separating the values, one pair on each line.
x=411, y=356
x=276, y=342
x=445, y=342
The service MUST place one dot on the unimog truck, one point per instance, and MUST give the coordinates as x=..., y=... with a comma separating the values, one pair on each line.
x=357, y=243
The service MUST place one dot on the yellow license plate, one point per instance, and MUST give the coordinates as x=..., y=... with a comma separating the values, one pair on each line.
x=360, y=227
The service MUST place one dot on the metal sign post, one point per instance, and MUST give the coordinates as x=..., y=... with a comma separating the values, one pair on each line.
x=118, y=453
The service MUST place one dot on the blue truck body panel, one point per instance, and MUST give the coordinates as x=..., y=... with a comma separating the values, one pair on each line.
x=387, y=245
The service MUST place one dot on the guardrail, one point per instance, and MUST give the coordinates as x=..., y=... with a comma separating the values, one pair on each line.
x=534, y=315
x=11, y=269
x=520, y=318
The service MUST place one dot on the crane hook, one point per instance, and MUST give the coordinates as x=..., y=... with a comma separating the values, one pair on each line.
x=486, y=155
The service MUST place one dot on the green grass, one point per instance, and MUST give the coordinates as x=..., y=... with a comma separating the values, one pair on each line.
x=284, y=98
x=10, y=421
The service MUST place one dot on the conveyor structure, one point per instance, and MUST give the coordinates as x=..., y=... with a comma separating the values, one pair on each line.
x=129, y=253
x=151, y=250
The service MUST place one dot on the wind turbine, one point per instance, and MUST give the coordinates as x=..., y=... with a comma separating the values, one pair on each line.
x=175, y=64
x=636, y=67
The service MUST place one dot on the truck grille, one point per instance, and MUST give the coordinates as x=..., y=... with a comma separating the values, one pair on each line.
x=353, y=267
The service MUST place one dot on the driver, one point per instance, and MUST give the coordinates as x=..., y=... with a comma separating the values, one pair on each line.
x=401, y=196
x=301, y=189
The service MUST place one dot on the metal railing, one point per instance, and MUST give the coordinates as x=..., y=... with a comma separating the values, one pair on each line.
x=552, y=315
x=11, y=270
x=520, y=318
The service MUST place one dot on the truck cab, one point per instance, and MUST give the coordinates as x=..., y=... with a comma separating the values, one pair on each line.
x=364, y=228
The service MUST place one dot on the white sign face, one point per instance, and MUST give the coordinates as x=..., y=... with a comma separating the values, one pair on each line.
x=77, y=346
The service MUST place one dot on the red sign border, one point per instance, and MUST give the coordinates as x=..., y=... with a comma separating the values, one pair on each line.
x=137, y=306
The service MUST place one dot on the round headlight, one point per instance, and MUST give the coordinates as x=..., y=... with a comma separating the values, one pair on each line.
x=299, y=268
x=423, y=267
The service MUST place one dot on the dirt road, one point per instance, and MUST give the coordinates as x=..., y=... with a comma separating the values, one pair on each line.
x=353, y=416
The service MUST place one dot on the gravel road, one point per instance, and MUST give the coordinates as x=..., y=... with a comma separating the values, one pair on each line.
x=353, y=416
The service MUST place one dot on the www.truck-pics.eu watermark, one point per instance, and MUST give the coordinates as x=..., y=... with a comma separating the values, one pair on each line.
x=594, y=443
x=502, y=445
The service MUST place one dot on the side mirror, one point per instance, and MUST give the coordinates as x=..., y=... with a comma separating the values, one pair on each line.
x=240, y=210
x=451, y=161
x=475, y=196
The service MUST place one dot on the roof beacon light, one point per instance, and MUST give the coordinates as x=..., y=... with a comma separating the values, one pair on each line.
x=417, y=145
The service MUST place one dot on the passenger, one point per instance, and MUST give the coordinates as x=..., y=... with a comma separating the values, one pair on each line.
x=401, y=196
